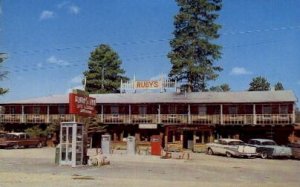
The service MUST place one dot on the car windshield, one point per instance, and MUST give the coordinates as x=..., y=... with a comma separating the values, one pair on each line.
x=268, y=143
x=236, y=143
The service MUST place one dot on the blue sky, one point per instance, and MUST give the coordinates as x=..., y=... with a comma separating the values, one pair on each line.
x=49, y=42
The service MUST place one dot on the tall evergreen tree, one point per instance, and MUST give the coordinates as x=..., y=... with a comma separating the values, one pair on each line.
x=278, y=86
x=221, y=88
x=193, y=54
x=104, y=72
x=3, y=73
x=259, y=84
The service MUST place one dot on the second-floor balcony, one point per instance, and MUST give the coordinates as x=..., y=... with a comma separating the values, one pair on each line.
x=225, y=119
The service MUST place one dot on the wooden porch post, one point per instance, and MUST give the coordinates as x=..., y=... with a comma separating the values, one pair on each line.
x=189, y=114
x=48, y=114
x=194, y=140
x=254, y=114
x=159, y=119
x=202, y=137
x=294, y=114
x=115, y=136
x=102, y=111
x=166, y=136
x=181, y=138
x=221, y=114
x=23, y=115
x=129, y=113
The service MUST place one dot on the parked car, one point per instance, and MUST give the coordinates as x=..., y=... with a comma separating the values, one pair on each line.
x=231, y=147
x=267, y=148
x=18, y=140
x=295, y=150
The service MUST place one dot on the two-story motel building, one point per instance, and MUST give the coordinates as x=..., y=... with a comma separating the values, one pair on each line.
x=184, y=120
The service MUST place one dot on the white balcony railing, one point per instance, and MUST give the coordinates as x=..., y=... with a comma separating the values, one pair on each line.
x=236, y=119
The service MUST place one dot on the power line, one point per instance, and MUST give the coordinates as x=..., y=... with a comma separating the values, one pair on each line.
x=73, y=63
x=150, y=41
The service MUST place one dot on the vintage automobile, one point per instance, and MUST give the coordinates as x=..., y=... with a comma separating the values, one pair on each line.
x=267, y=148
x=19, y=140
x=295, y=150
x=231, y=147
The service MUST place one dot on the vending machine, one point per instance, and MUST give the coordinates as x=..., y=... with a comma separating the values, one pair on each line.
x=71, y=144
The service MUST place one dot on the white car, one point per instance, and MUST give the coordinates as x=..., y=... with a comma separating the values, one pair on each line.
x=231, y=147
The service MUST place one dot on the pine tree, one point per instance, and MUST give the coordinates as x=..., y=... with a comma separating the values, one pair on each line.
x=259, y=84
x=104, y=73
x=221, y=88
x=193, y=54
x=278, y=86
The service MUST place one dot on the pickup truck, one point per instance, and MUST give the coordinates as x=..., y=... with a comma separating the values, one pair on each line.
x=19, y=140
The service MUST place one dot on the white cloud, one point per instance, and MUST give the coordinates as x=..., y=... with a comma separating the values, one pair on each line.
x=157, y=77
x=75, y=87
x=39, y=65
x=46, y=14
x=240, y=71
x=63, y=4
x=73, y=9
x=54, y=60
x=77, y=79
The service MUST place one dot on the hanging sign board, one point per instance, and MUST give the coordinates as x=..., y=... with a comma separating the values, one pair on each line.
x=81, y=104
x=147, y=126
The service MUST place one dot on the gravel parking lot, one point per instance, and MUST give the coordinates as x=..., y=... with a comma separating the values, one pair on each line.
x=35, y=167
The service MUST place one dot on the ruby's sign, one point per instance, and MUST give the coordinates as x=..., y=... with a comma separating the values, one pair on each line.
x=82, y=104
x=147, y=84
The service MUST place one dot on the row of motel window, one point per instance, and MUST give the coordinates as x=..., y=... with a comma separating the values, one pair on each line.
x=172, y=109
x=202, y=110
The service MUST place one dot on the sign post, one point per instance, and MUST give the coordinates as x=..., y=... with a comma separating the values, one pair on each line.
x=73, y=138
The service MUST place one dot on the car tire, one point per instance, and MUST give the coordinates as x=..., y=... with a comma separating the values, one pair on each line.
x=210, y=151
x=228, y=154
x=264, y=155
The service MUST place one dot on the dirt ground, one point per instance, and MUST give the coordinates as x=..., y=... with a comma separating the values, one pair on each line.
x=35, y=167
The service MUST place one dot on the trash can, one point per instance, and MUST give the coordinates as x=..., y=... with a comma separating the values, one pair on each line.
x=156, y=145
x=57, y=152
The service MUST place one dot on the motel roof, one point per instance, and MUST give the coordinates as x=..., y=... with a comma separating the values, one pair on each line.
x=194, y=97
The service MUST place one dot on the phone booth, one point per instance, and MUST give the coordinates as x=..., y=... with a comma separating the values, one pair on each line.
x=71, y=144
x=156, y=145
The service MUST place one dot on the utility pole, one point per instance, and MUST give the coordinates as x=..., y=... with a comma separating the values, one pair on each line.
x=102, y=78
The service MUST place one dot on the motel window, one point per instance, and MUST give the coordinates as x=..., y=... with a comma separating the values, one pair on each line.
x=267, y=109
x=202, y=110
x=62, y=110
x=12, y=110
x=142, y=110
x=36, y=110
x=283, y=109
x=233, y=110
x=172, y=109
x=114, y=110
